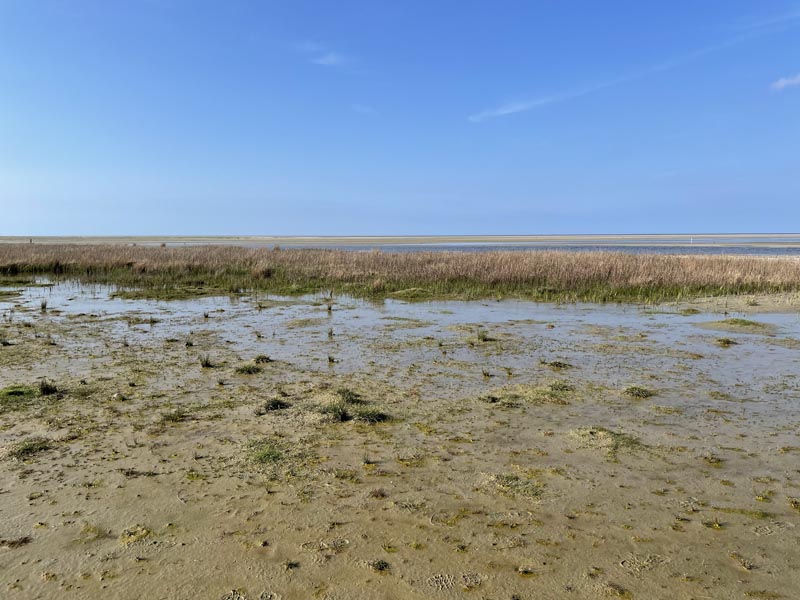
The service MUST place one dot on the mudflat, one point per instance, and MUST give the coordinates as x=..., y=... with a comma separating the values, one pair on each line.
x=266, y=447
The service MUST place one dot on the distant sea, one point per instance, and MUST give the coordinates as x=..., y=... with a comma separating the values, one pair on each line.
x=786, y=244
x=632, y=248
x=778, y=245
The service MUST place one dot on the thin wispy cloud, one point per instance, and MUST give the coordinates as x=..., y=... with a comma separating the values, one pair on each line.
x=752, y=30
x=321, y=55
x=773, y=22
x=510, y=108
x=786, y=82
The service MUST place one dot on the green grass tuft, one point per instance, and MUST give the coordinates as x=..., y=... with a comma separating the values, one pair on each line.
x=29, y=448
x=272, y=405
x=264, y=451
x=369, y=414
x=637, y=391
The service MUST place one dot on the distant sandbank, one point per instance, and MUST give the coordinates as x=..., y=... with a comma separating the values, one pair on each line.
x=786, y=240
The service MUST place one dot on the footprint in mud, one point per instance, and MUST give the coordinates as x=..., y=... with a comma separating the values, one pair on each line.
x=441, y=582
x=468, y=581
x=239, y=595
x=471, y=580
x=772, y=528
x=636, y=564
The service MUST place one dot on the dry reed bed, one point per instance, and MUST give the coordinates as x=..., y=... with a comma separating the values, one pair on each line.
x=535, y=274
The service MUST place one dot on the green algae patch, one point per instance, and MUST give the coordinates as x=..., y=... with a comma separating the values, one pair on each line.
x=134, y=534
x=20, y=397
x=510, y=484
x=740, y=326
x=28, y=448
x=613, y=442
x=556, y=392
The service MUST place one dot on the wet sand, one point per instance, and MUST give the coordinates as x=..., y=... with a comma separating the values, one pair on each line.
x=341, y=449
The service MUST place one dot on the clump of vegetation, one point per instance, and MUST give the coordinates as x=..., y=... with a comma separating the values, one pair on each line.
x=411, y=459
x=262, y=359
x=378, y=565
x=277, y=458
x=265, y=451
x=349, y=396
x=614, y=589
x=337, y=411
x=16, y=397
x=613, y=442
x=745, y=323
x=27, y=449
x=351, y=406
x=131, y=535
x=561, y=386
x=499, y=398
x=206, y=362
x=483, y=336
x=193, y=475
x=513, y=395
x=179, y=415
x=556, y=365
x=765, y=496
x=726, y=342
x=637, y=391
x=368, y=414
x=47, y=388
x=271, y=405
x=346, y=475
x=514, y=485
x=248, y=369
x=15, y=542
x=714, y=523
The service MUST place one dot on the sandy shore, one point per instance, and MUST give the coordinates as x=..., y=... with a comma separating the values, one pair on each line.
x=341, y=449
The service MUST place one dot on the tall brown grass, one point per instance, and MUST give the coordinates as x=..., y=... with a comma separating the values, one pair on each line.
x=598, y=276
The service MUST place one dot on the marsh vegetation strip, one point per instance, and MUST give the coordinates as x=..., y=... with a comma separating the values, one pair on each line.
x=501, y=448
x=542, y=275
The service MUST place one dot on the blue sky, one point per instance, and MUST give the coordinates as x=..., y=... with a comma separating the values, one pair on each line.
x=417, y=117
